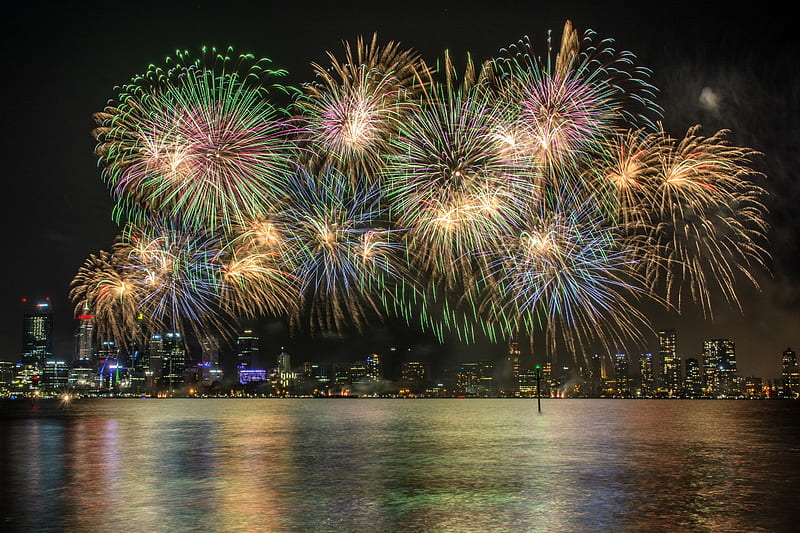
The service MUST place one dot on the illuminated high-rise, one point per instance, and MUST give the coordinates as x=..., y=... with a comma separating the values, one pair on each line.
x=84, y=338
x=622, y=375
x=374, y=367
x=247, y=349
x=719, y=367
x=670, y=363
x=648, y=387
x=694, y=377
x=790, y=374
x=37, y=333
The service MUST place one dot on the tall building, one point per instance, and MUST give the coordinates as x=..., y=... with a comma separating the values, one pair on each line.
x=595, y=378
x=37, y=333
x=719, y=368
x=511, y=384
x=374, y=367
x=694, y=378
x=247, y=349
x=174, y=361
x=475, y=379
x=622, y=375
x=670, y=363
x=84, y=338
x=790, y=374
x=648, y=387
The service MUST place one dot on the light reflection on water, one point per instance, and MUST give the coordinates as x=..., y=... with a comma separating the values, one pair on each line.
x=413, y=465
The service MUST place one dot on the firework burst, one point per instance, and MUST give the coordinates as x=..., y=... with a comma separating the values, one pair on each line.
x=527, y=195
x=340, y=250
x=354, y=107
x=198, y=140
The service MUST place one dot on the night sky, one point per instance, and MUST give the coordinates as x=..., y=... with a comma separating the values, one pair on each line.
x=61, y=65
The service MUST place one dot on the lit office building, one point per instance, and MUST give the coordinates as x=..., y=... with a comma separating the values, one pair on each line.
x=595, y=376
x=84, y=339
x=694, y=378
x=670, y=363
x=37, y=333
x=475, y=379
x=174, y=361
x=648, y=386
x=719, y=368
x=790, y=374
x=414, y=372
x=374, y=367
x=6, y=376
x=753, y=387
x=247, y=350
x=622, y=375
x=55, y=376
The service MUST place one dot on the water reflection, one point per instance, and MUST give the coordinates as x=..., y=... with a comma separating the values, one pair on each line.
x=388, y=465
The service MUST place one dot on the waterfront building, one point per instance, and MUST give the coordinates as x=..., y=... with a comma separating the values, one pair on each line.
x=595, y=376
x=374, y=367
x=37, y=333
x=670, y=363
x=753, y=387
x=694, y=378
x=84, y=339
x=475, y=379
x=6, y=376
x=413, y=376
x=513, y=367
x=168, y=361
x=719, y=367
x=622, y=376
x=247, y=349
x=790, y=374
x=647, y=375
x=55, y=376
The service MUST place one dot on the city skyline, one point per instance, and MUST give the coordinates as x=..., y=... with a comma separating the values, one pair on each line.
x=765, y=319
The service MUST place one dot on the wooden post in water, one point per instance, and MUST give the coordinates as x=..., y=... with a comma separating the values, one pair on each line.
x=538, y=387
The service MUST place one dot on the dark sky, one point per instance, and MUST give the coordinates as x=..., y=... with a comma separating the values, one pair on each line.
x=61, y=64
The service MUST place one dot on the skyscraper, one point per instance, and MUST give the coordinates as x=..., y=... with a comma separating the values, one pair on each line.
x=670, y=363
x=247, y=350
x=648, y=388
x=719, y=367
x=37, y=333
x=84, y=338
x=694, y=377
x=621, y=375
x=791, y=374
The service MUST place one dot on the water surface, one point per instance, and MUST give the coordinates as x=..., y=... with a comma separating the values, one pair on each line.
x=412, y=465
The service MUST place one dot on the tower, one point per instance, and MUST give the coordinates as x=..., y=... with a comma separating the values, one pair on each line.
x=790, y=374
x=670, y=362
x=84, y=338
x=621, y=375
x=646, y=372
x=694, y=377
x=247, y=350
x=37, y=333
x=719, y=367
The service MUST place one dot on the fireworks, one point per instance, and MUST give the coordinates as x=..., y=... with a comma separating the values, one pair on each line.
x=198, y=140
x=343, y=259
x=530, y=195
x=354, y=107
